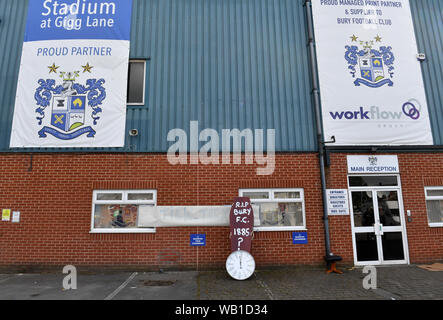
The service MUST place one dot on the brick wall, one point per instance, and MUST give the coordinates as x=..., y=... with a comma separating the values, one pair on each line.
x=417, y=170
x=54, y=196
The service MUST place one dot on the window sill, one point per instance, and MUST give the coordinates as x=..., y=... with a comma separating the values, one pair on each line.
x=140, y=230
x=136, y=106
x=261, y=229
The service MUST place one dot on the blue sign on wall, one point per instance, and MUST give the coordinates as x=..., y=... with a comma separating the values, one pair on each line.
x=300, y=238
x=77, y=19
x=198, y=240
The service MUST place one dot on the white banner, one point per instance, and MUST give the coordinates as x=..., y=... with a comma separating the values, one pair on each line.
x=72, y=83
x=371, y=84
x=188, y=216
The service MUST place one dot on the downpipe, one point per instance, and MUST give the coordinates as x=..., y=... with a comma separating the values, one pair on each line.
x=320, y=141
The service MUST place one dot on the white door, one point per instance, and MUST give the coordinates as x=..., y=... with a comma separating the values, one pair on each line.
x=378, y=226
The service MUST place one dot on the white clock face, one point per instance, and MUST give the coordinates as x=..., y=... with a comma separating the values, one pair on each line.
x=240, y=265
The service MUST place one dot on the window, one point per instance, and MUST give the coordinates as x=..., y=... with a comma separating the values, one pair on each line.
x=373, y=181
x=434, y=205
x=117, y=211
x=136, y=82
x=280, y=209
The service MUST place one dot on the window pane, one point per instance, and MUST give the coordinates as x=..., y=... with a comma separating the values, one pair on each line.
x=256, y=195
x=373, y=181
x=435, y=211
x=109, y=196
x=287, y=195
x=388, y=208
x=434, y=193
x=115, y=216
x=363, y=208
x=366, y=244
x=136, y=82
x=393, y=246
x=281, y=214
x=140, y=196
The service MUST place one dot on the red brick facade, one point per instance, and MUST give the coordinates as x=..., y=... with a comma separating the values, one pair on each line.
x=417, y=171
x=53, y=192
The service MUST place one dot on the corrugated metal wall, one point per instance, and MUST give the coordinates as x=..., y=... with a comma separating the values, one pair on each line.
x=428, y=22
x=226, y=63
x=12, y=30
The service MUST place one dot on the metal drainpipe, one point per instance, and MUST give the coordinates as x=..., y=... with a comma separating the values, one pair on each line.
x=320, y=142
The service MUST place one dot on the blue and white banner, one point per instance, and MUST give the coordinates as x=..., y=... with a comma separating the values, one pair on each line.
x=72, y=83
x=371, y=82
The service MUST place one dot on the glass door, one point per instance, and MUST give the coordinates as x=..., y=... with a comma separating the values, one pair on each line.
x=378, y=226
x=391, y=226
x=366, y=248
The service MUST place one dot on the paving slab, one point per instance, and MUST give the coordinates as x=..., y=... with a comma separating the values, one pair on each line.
x=299, y=283
x=161, y=286
x=50, y=286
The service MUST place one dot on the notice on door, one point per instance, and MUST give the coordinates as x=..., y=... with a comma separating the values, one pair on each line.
x=338, y=202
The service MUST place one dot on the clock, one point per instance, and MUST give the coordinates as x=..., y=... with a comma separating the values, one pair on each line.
x=240, y=265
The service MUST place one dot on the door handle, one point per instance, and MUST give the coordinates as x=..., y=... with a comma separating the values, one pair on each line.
x=376, y=229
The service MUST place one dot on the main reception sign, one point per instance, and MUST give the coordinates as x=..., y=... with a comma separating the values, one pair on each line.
x=371, y=84
x=72, y=83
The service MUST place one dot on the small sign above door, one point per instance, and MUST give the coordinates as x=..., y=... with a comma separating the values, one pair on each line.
x=373, y=164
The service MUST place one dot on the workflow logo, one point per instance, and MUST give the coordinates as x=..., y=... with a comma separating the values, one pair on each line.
x=360, y=114
x=409, y=110
x=372, y=68
x=69, y=102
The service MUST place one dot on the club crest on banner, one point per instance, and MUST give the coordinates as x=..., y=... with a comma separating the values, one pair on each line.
x=372, y=68
x=373, y=160
x=68, y=105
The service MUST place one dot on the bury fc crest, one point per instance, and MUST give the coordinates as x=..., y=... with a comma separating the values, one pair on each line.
x=70, y=106
x=370, y=67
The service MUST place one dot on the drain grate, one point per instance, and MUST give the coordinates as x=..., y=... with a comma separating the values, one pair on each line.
x=157, y=283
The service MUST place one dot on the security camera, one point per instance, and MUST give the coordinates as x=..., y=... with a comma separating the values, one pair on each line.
x=133, y=132
x=421, y=57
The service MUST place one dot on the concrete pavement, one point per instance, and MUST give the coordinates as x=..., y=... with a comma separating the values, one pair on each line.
x=298, y=283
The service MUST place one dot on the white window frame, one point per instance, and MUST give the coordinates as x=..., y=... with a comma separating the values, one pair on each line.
x=123, y=201
x=272, y=199
x=430, y=198
x=144, y=82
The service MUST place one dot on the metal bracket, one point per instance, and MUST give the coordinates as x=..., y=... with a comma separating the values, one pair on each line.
x=331, y=141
